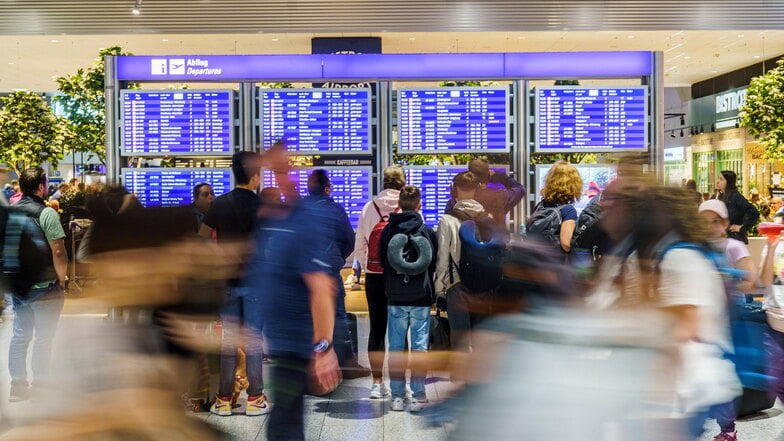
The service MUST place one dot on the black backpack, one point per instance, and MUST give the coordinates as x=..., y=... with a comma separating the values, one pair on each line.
x=544, y=225
x=409, y=256
x=482, y=251
x=587, y=233
x=26, y=257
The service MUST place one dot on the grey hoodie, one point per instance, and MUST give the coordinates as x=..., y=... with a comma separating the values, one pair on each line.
x=449, y=245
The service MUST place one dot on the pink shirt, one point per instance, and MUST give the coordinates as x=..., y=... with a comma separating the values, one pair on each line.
x=735, y=250
x=15, y=198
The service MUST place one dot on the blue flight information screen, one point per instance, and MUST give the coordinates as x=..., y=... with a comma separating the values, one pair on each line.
x=178, y=122
x=172, y=187
x=453, y=120
x=591, y=119
x=317, y=121
x=435, y=183
x=350, y=186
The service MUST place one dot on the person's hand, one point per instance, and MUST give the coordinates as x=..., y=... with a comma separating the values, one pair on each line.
x=325, y=374
x=735, y=228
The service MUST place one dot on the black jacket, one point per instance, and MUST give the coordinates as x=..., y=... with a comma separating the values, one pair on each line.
x=741, y=212
x=408, y=222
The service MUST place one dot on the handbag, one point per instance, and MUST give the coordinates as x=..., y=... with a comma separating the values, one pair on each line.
x=439, y=333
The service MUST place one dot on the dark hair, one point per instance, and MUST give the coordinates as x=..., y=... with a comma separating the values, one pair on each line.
x=31, y=179
x=318, y=182
x=197, y=190
x=732, y=180
x=465, y=181
x=107, y=202
x=410, y=197
x=244, y=165
x=480, y=168
x=691, y=185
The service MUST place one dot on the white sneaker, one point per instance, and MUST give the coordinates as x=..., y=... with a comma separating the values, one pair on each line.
x=352, y=282
x=397, y=404
x=378, y=391
x=409, y=392
x=416, y=405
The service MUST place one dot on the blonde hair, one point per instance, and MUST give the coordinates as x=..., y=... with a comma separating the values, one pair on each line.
x=563, y=184
x=394, y=178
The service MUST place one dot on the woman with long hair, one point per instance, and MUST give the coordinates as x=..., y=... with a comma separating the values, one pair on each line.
x=563, y=186
x=743, y=215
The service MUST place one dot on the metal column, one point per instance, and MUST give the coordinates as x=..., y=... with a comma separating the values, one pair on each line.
x=383, y=151
x=656, y=85
x=247, y=129
x=111, y=98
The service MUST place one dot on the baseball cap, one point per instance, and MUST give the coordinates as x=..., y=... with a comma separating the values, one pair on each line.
x=715, y=206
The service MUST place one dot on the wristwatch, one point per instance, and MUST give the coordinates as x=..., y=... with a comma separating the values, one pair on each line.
x=322, y=346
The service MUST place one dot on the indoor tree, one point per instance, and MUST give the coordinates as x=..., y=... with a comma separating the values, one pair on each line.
x=84, y=104
x=763, y=113
x=30, y=134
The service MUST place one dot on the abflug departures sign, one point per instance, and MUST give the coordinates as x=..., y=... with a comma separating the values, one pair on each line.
x=317, y=121
x=350, y=186
x=172, y=187
x=193, y=122
x=453, y=120
x=591, y=119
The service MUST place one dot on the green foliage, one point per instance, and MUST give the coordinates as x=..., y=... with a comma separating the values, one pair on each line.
x=573, y=158
x=763, y=113
x=71, y=198
x=275, y=85
x=85, y=105
x=30, y=134
x=467, y=84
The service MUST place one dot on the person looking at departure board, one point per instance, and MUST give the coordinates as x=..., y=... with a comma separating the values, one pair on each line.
x=498, y=193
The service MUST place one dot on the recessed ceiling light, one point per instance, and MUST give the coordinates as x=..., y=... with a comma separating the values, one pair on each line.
x=10, y=62
x=165, y=39
x=686, y=57
x=714, y=71
x=521, y=38
x=630, y=36
x=274, y=39
x=55, y=41
x=756, y=56
x=411, y=38
x=741, y=35
x=136, y=11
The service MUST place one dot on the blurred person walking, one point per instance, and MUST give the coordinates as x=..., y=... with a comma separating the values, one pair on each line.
x=554, y=219
x=38, y=304
x=232, y=217
x=408, y=252
x=320, y=190
x=743, y=214
x=367, y=250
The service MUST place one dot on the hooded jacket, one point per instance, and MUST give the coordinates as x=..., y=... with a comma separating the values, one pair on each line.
x=449, y=245
x=387, y=203
x=408, y=222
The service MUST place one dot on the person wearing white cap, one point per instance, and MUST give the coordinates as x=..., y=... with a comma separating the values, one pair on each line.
x=716, y=216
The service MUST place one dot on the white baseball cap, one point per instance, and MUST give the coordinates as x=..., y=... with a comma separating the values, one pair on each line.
x=715, y=206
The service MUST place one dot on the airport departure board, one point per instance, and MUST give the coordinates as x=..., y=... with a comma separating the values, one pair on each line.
x=317, y=121
x=351, y=187
x=171, y=187
x=591, y=119
x=177, y=122
x=435, y=182
x=452, y=120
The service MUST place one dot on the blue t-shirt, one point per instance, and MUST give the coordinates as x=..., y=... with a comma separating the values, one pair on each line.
x=285, y=249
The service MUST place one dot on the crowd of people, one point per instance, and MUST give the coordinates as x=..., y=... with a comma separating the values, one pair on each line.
x=633, y=293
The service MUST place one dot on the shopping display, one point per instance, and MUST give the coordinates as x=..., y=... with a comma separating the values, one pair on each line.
x=171, y=187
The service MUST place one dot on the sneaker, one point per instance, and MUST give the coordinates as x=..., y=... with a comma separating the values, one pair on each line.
x=19, y=392
x=378, y=391
x=409, y=392
x=221, y=406
x=417, y=404
x=726, y=436
x=258, y=405
x=352, y=282
x=352, y=369
x=397, y=404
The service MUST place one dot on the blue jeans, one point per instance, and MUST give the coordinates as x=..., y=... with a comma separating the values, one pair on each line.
x=242, y=321
x=400, y=319
x=37, y=315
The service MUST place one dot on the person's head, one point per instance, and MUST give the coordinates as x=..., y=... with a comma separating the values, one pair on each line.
x=15, y=185
x=203, y=195
x=33, y=182
x=410, y=198
x=319, y=183
x=464, y=185
x=63, y=187
x=727, y=182
x=705, y=195
x=691, y=184
x=618, y=205
x=113, y=199
x=563, y=184
x=246, y=168
x=775, y=204
x=394, y=178
x=716, y=217
x=480, y=167
x=664, y=210
x=276, y=158
x=73, y=182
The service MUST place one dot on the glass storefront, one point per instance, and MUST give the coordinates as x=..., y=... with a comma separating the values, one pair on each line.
x=703, y=171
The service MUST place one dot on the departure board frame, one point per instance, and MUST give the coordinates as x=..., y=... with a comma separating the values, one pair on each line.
x=309, y=168
x=419, y=151
x=538, y=121
x=368, y=150
x=126, y=151
x=459, y=168
x=124, y=172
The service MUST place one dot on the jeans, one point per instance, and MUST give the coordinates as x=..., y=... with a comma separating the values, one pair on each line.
x=289, y=377
x=401, y=318
x=242, y=321
x=37, y=315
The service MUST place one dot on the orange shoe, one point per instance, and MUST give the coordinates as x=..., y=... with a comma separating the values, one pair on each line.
x=221, y=406
x=258, y=405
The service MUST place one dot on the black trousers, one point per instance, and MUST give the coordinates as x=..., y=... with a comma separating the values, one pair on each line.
x=377, y=310
x=289, y=378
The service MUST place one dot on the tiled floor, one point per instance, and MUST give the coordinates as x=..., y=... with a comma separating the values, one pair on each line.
x=347, y=414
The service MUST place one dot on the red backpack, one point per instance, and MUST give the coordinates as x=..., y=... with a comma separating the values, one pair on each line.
x=374, y=262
